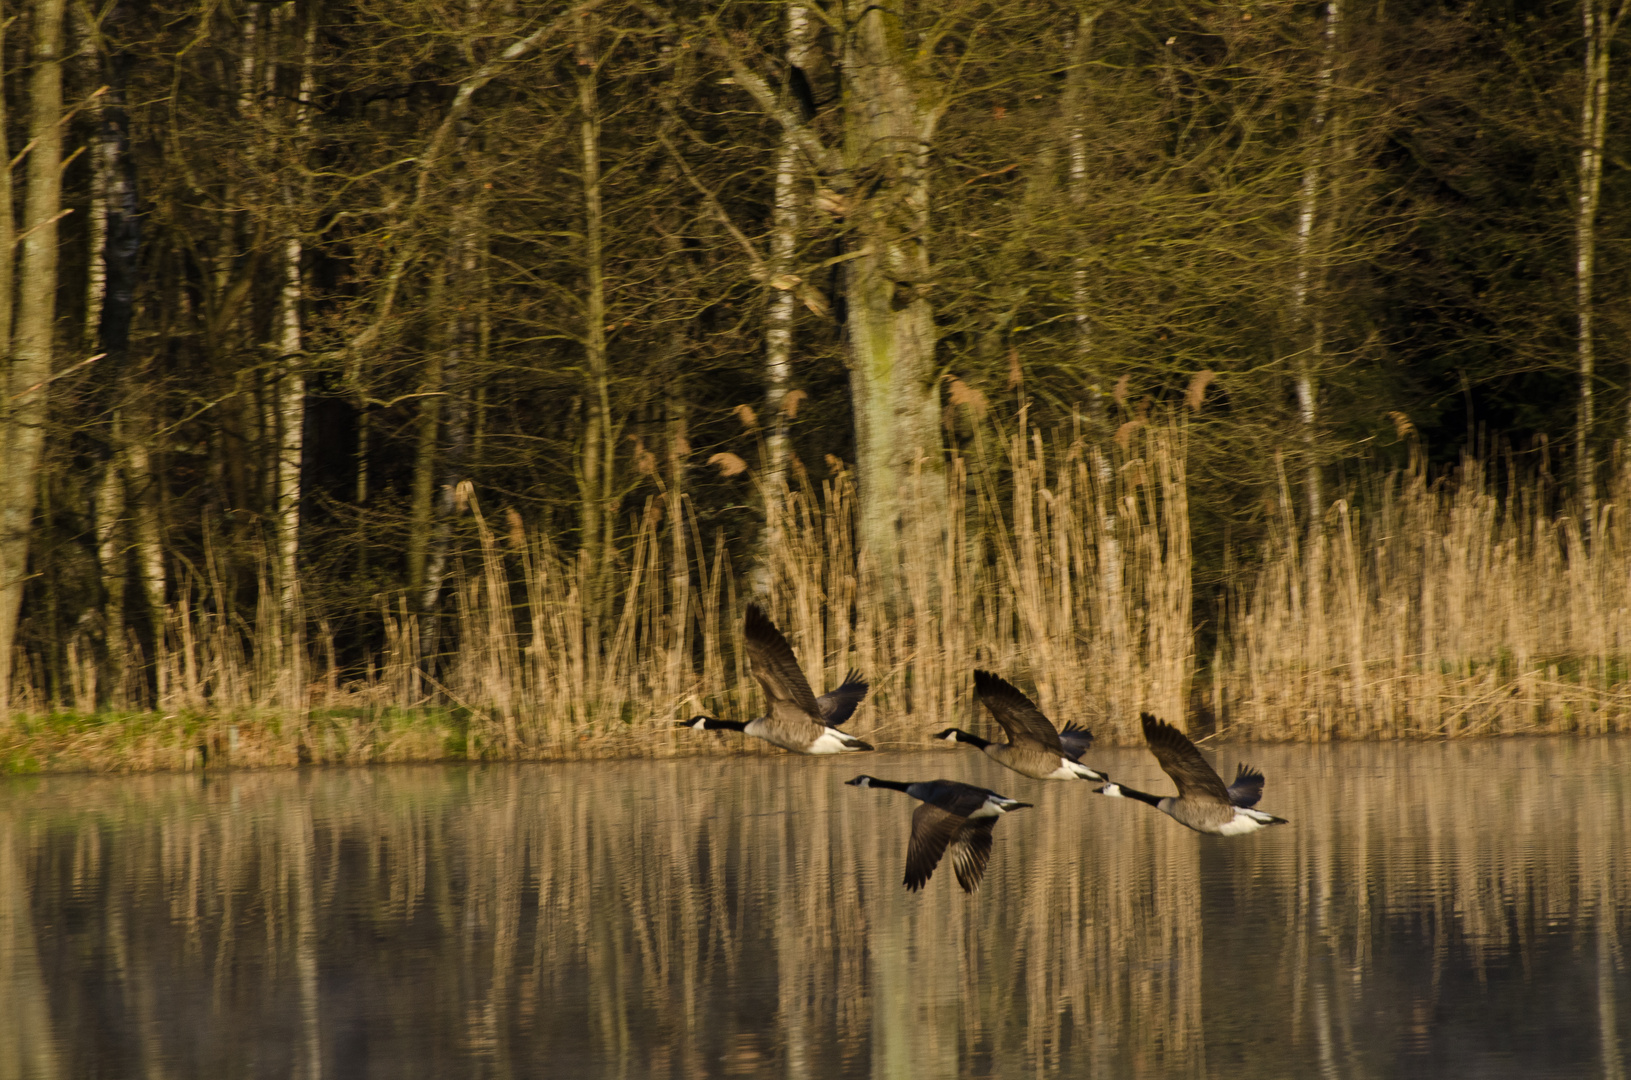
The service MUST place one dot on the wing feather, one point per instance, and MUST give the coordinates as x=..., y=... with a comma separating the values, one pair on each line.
x=1075, y=741
x=970, y=851
x=840, y=703
x=1180, y=760
x=932, y=830
x=775, y=666
x=1247, y=788
x=1018, y=715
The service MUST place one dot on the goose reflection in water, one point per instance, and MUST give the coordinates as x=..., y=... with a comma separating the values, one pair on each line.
x=676, y=919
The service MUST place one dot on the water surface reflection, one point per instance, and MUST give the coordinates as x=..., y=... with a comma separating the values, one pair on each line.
x=1433, y=910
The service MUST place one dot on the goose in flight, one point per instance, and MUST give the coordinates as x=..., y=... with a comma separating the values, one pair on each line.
x=1035, y=747
x=1203, y=803
x=955, y=817
x=795, y=718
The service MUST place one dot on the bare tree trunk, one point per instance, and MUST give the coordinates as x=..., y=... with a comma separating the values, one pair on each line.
x=112, y=299
x=1098, y=417
x=289, y=390
x=458, y=341
x=778, y=355
x=1078, y=191
x=111, y=559
x=597, y=445
x=143, y=481
x=779, y=316
x=101, y=164
x=8, y=246
x=421, y=499
x=1600, y=23
x=679, y=586
x=880, y=187
x=890, y=322
x=289, y=393
x=23, y=412
x=1306, y=311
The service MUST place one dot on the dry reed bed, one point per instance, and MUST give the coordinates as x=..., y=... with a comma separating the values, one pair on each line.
x=1411, y=609
x=1436, y=610
x=620, y=914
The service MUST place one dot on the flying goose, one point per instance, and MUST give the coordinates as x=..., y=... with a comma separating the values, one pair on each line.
x=953, y=815
x=1202, y=803
x=796, y=719
x=1035, y=747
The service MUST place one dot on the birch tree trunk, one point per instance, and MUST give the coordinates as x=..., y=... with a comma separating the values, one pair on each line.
x=1599, y=24
x=893, y=379
x=597, y=443
x=1078, y=191
x=679, y=583
x=111, y=302
x=779, y=315
x=28, y=368
x=96, y=222
x=453, y=452
x=879, y=185
x=422, y=491
x=1307, y=313
x=289, y=390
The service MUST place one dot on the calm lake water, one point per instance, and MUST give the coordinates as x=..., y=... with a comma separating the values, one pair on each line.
x=1434, y=910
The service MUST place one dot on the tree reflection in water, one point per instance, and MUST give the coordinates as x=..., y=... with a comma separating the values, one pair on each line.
x=1434, y=909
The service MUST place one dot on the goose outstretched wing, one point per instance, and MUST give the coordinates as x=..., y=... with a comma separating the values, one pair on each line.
x=932, y=830
x=840, y=703
x=1247, y=788
x=1018, y=714
x=775, y=666
x=1180, y=760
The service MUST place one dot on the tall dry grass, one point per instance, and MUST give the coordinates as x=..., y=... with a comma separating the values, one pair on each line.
x=1418, y=608
x=1413, y=607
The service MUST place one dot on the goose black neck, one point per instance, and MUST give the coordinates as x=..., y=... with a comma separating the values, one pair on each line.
x=973, y=740
x=893, y=785
x=1141, y=796
x=713, y=723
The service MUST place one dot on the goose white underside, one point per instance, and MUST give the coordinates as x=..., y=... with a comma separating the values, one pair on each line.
x=994, y=806
x=1245, y=821
x=830, y=741
x=1072, y=770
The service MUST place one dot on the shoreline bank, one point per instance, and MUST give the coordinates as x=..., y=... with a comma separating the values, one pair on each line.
x=115, y=743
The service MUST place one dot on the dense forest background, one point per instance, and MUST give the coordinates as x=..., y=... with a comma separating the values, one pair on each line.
x=490, y=354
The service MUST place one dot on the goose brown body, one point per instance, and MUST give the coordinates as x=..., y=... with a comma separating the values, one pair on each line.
x=795, y=719
x=1035, y=748
x=1203, y=803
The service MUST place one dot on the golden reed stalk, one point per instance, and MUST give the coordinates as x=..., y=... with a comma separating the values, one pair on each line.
x=1410, y=609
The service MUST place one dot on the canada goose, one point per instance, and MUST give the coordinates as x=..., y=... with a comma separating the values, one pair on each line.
x=1202, y=803
x=796, y=719
x=1034, y=747
x=959, y=816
